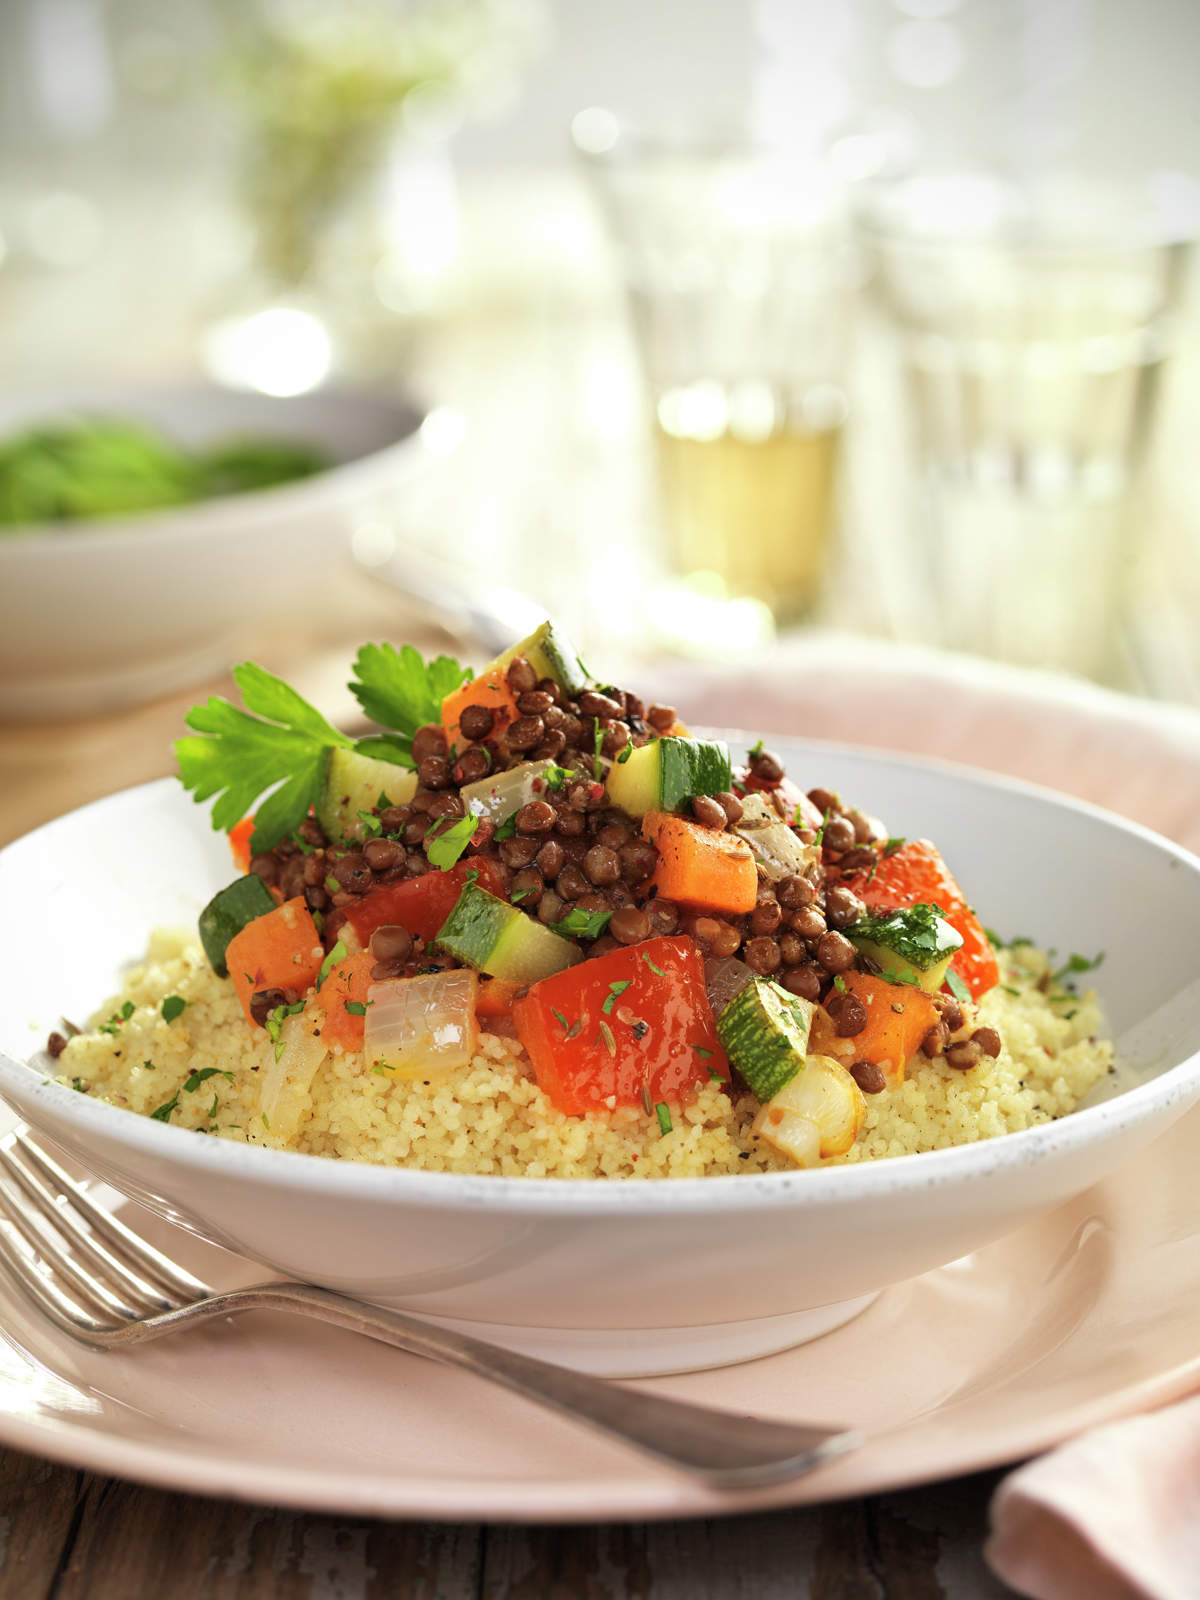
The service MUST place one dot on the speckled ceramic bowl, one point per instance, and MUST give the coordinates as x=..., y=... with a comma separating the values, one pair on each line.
x=627, y=1277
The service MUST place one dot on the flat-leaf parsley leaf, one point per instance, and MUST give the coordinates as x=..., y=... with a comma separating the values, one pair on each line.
x=399, y=690
x=278, y=739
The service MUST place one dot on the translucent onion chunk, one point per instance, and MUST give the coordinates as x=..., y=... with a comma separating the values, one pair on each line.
x=776, y=848
x=422, y=1027
x=815, y=1115
x=499, y=795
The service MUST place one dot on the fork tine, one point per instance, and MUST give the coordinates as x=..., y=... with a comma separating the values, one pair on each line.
x=34, y=1252
x=96, y=1265
x=143, y=1257
x=29, y=1275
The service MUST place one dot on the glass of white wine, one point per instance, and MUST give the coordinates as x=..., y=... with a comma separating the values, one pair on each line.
x=740, y=274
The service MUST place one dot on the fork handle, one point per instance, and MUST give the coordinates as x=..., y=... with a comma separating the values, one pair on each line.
x=723, y=1448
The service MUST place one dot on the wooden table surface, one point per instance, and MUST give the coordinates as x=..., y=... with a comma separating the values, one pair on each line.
x=67, y=1534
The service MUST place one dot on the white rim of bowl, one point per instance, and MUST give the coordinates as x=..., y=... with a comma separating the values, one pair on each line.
x=850, y=1186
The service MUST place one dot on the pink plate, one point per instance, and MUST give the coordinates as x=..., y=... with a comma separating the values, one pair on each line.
x=1083, y=1316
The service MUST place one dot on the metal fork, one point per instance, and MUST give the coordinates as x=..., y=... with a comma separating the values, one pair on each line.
x=106, y=1287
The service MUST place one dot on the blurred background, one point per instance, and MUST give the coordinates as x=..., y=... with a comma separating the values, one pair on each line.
x=694, y=322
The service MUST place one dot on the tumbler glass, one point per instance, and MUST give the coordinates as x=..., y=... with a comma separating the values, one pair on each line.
x=1032, y=321
x=738, y=268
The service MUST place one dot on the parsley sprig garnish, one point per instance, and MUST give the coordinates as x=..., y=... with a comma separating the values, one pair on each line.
x=279, y=742
x=399, y=690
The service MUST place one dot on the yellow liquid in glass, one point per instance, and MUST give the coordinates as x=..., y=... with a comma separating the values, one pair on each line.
x=758, y=510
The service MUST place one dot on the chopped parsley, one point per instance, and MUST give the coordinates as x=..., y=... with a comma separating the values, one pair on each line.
x=579, y=924
x=446, y=841
x=701, y=1051
x=212, y=1110
x=332, y=957
x=840, y=984
x=274, y=1023
x=658, y=970
x=173, y=1006
x=358, y=1008
x=163, y=1112
x=615, y=991
x=597, y=745
x=554, y=776
x=332, y=886
x=890, y=846
x=755, y=750
x=114, y=1022
x=371, y=825
x=520, y=894
x=558, y=1016
x=195, y=1079
x=663, y=1112
x=957, y=987
x=626, y=752
x=149, y=1066
x=508, y=828
x=79, y=1086
x=1075, y=963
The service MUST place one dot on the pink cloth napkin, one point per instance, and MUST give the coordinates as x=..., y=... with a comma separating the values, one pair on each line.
x=1115, y=1513
x=1112, y=1515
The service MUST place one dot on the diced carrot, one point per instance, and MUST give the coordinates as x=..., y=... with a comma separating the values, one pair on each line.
x=346, y=986
x=490, y=690
x=279, y=950
x=239, y=843
x=496, y=996
x=898, y=1018
x=700, y=867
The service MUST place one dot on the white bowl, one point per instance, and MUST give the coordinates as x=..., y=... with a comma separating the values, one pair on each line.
x=626, y=1277
x=117, y=610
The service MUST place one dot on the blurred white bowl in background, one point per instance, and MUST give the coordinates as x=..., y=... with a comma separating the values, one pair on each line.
x=114, y=611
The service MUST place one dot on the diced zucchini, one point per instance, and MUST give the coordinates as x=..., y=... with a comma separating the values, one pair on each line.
x=228, y=912
x=551, y=655
x=499, y=795
x=666, y=773
x=354, y=783
x=776, y=848
x=765, y=1033
x=916, y=945
x=499, y=939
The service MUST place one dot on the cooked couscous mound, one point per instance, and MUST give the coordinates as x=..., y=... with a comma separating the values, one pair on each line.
x=205, y=1068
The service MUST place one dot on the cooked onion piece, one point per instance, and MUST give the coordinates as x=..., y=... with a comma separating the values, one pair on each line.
x=818, y=1113
x=424, y=1026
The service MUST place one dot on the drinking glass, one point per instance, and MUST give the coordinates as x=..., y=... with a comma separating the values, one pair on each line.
x=1032, y=322
x=737, y=265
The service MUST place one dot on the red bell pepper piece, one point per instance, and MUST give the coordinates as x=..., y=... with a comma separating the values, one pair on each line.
x=419, y=904
x=916, y=873
x=633, y=1024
